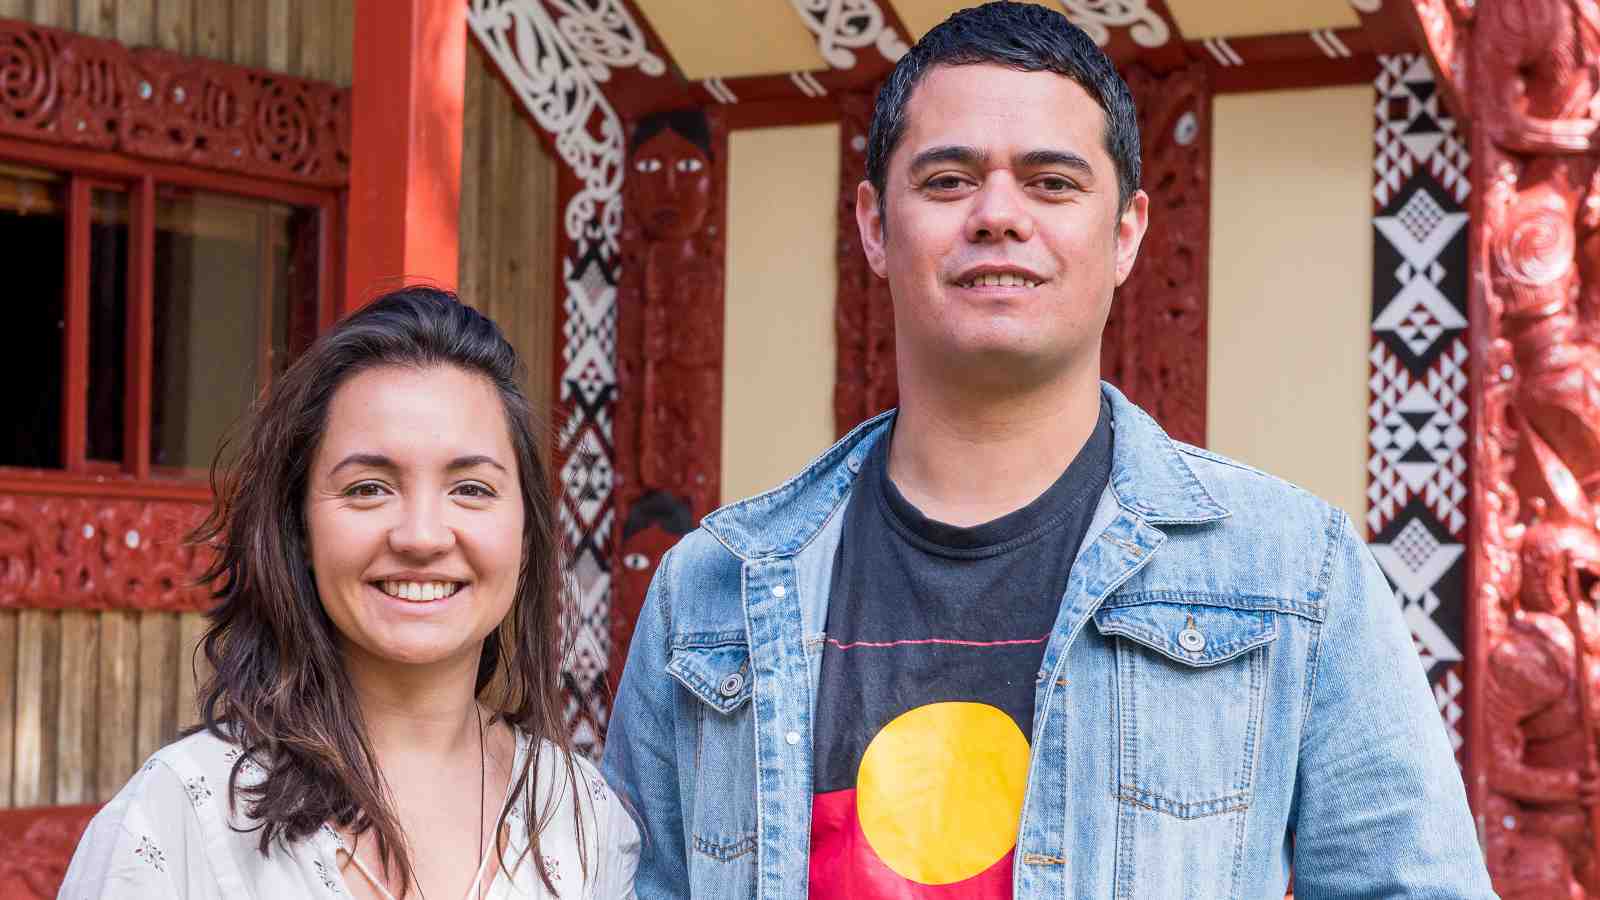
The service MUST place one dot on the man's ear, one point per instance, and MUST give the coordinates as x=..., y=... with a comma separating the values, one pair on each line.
x=1131, y=226
x=869, y=221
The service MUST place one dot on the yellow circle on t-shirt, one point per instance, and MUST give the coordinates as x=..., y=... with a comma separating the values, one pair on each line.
x=939, y=791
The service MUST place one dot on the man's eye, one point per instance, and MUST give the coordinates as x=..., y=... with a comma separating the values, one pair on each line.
x=1055, y=184
x=944, y=182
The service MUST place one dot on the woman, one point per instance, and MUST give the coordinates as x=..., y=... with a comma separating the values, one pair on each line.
x=385, y=719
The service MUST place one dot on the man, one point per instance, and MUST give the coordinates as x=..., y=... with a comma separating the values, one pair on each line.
x=1011, y=640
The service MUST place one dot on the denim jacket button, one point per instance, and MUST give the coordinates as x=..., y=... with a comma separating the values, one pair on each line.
x=780, y=592
x=792, y=738
x=730, y=685
x=1191, y=639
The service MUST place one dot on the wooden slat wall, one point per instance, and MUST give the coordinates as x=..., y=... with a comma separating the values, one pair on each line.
x=508, y=222
x=86, y=696
x=309, y=38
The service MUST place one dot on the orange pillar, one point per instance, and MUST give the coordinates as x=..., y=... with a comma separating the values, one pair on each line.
x=405, y=166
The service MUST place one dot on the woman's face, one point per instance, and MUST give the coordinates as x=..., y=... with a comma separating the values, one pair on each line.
x=414, y=513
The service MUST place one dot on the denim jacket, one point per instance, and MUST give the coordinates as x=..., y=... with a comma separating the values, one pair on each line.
x=1298, y=730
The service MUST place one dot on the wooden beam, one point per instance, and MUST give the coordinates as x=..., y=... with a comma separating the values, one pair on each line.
x=75, y=336
x=406, y=111
x=139, y=355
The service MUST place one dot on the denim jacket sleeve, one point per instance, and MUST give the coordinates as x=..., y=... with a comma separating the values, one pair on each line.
x=640, y=758
x=1379, y=806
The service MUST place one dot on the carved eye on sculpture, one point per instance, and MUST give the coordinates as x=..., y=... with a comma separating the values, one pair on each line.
x=636, y=561
x=690, y=164
x=648, y=164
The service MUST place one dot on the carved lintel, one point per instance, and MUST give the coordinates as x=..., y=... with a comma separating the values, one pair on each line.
x=69, y=89
x=96, y=553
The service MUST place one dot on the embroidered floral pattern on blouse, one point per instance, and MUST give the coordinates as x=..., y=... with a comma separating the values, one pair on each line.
x=150, y=853
x=552, y=869
x=597, y=787
x=250, y=771
x=199, y=791
x=328, y=881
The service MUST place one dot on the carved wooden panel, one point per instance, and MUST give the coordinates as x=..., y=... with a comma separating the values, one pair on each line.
x=668, y=424
x=39, y=844
x=1154, y=347
x=68, y=89
x=864, y=383
x=1533, y=693
x=94, y=553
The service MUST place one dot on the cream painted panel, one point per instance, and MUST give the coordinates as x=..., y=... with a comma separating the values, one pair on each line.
x=1198, y=19
x=777, y=383
x=1291, y=287
x=729, y=38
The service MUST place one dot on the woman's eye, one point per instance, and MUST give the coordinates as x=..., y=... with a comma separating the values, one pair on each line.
x=474, y=489
x=366, y=489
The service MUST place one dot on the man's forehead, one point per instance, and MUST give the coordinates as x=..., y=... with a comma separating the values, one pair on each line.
x=991, y=106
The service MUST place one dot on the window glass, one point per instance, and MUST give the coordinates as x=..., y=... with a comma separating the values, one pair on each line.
x=233, y=280
x=33, y=232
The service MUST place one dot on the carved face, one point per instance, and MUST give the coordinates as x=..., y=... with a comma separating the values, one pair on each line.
x=1551, y=553
x=671, y=185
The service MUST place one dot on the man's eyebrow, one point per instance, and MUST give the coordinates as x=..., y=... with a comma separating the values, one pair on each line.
x=379, y=461
x=967, y=156
x=1041, y=159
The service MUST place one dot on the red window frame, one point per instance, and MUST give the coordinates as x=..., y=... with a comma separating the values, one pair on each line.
x=86, y=170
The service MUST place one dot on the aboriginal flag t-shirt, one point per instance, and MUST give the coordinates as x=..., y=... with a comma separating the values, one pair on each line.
x=935, y=635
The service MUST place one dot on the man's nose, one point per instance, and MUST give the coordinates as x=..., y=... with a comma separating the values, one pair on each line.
x=999, y=212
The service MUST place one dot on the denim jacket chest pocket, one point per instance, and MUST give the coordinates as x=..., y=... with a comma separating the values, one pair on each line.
x=715, y=669
x=1189, y=696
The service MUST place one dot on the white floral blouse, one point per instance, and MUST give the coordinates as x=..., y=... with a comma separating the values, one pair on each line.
x=169, y=834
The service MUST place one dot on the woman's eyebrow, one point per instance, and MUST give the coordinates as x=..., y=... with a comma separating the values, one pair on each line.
x=467, y=462
x=379, y=461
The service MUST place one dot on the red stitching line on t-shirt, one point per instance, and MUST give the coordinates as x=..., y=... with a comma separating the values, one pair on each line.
x=881, y=644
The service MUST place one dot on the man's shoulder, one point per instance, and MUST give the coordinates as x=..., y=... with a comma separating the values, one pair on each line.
x=1257, y=498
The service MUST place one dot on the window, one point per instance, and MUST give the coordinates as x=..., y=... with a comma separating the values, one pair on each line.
x=153, y=303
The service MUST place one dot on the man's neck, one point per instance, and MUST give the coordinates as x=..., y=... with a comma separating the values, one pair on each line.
x=965, y=458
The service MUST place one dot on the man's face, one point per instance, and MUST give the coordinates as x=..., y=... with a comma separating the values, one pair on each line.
x=1003, y=240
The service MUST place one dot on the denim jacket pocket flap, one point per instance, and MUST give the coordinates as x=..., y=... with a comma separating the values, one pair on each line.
x=1196, y=636
x=715, y=668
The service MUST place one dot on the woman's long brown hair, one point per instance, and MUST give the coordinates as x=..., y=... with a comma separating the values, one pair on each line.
x=279, y=689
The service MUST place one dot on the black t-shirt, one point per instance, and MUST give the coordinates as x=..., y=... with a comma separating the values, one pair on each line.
x=935, y=635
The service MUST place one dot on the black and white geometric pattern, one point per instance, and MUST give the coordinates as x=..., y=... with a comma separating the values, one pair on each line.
x=1417, y=484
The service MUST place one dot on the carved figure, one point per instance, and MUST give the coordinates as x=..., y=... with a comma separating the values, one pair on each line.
x=1542, y=779
x=669, y=354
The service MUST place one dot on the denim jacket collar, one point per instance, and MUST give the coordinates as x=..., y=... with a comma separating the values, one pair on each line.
x=1149, y=478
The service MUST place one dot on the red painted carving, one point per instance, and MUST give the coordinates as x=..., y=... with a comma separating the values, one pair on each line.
x=864, y=383
x=38, y=844
x=1154, y=347
x=1533, y=679
x=64, y=88
x=669, y=348
x=96, y=553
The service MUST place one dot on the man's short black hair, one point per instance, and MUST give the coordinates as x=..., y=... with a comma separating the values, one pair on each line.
x=1023, y=36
